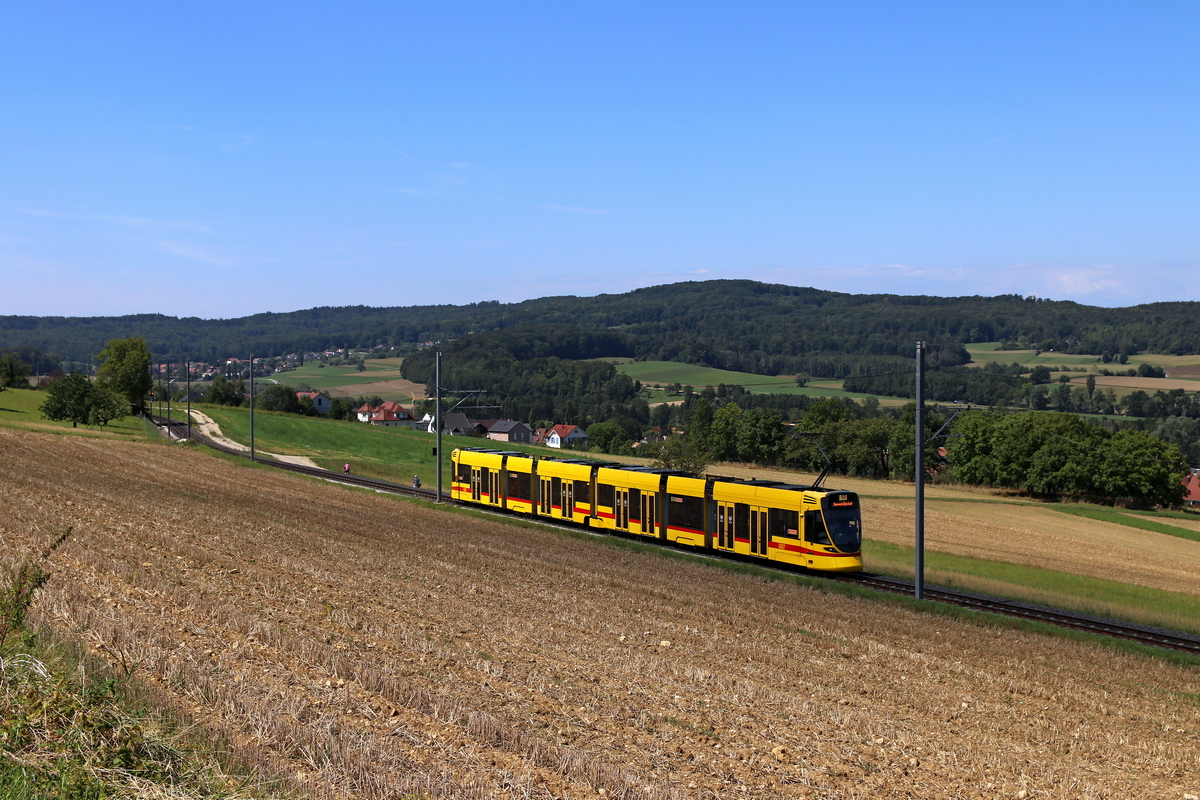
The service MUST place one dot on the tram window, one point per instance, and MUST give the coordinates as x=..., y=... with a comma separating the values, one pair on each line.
x=604, y=495
x=784, y=522
x=464, y=472
x=814, y=528
x=583, y=492
x=676, y=513
x=693, y=513
x=520, y=485
x=556, y=491
x=635, y=505
x=741, y=521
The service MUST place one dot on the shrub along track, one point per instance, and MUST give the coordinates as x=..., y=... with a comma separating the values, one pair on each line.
x=368, y=647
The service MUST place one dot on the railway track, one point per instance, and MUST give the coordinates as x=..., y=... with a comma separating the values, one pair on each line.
x=1143, y=634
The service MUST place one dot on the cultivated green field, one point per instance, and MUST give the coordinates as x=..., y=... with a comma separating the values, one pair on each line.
x=323, y=377
x=664, y=373
x=985, y=352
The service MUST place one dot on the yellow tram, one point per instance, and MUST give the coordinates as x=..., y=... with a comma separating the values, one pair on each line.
x=809, y=526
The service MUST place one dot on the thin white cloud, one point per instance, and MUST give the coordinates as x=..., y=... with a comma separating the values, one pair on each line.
x=576, y=209
x=192, y=253
x=119, y=219
x=1084, y=282
x=998, y=139
x=395, y=150
x=412, y=190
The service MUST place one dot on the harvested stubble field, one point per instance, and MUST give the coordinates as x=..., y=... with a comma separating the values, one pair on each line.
x=364, y=646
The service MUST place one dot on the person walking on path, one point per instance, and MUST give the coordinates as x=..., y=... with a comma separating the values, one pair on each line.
x=346, y=469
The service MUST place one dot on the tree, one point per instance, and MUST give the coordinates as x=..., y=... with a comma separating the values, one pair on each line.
x=279, y=398
x=13, y=372
x=760, y=436
x=106, y=405
x=604, y=436
x=225, y=392
x=681, y=453
x=723, y=440
x=1137, y=466
x=699, y=421
x=68, y=399
x=126, y=369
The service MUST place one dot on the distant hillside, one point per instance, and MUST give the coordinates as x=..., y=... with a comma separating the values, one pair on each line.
x=738, y=325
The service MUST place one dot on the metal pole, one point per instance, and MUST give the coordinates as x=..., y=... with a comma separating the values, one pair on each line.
x=437, y=417
x=189, y=398
x=919, y=571
x=168, y=397
x=252, y=406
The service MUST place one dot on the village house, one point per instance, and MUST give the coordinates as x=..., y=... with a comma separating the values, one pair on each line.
x=507, y=430
x=567, y=436
x=320, y=402
x=453, y=424
x=388, y=414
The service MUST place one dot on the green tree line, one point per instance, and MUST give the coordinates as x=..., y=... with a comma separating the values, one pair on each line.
x=742, y=325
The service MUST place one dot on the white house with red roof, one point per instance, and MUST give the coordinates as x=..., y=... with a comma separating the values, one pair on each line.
x=388, y=414
x=566, y=436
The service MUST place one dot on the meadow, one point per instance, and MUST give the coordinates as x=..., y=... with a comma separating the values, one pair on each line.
x=381, y=377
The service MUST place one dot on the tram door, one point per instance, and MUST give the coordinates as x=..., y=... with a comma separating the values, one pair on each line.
x=648, y=513
x=725, y=525
x=476, y=483
x=741, y=523
x=621, y=509
x=568, y=499
x=758, y=532
x=544, y=496
x=494, y=486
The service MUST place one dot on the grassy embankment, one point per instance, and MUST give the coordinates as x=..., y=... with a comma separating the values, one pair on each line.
x=19, y=409
x=395, y=454
x=76, y=729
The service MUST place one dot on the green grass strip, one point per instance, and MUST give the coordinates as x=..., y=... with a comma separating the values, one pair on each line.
x=1038, y=585
x=1122, y=518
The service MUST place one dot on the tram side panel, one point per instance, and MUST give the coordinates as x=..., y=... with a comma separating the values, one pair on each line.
x=628, y=500
x=519, y=485
x=686, y=511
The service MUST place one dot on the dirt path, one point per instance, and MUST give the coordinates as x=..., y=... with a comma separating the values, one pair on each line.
x=362, y=646
x=212, y=430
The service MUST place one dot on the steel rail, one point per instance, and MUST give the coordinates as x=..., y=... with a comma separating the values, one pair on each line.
x=1143, y=634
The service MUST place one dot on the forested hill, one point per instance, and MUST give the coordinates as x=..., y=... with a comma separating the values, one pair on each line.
x=742, y=325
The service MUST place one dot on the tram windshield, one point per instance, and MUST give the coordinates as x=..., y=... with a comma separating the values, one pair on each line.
x=843, y=520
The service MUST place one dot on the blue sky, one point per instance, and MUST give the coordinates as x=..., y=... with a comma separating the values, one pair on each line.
x=222, y=159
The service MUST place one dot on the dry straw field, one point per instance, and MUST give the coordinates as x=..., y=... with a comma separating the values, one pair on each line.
x=362, y=646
